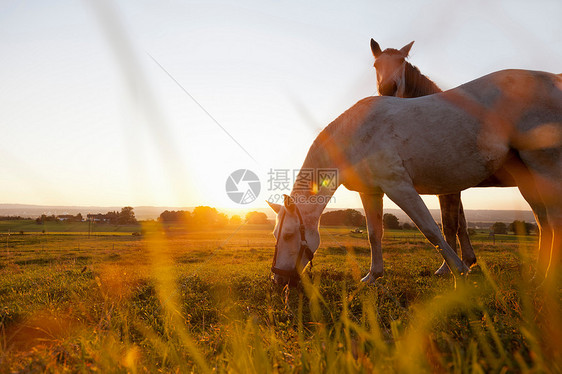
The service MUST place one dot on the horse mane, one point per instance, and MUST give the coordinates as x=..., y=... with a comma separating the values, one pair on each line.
x=417, y=84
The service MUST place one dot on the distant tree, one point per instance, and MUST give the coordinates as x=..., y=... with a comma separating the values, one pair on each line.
x=45, y=218
x=201, y=217
x=186, y=216
x=258, y=218
x=126, y=216
x=532, y=228
x=390, y=221
x=517, y=227
x=499, y=228
x=78, y=217
x=166, y=216
x=347, y=217
x=179, y=216
x=11, y=218
x=236, y=220
x=222, y=220
x=407, y=226
x=111, y=217
x=204, y=216
x=521, y=227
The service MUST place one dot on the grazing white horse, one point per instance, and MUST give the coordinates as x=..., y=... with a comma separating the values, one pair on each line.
x=507, y=123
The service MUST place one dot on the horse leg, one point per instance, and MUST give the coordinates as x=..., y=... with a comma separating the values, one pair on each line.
x=530, y=194
x=450, y=222
x=545, y=170
x=555, y=265
x=548, y=214
x=372, y=204
x=551, y=260
x=454, y=225
x=468, y=256
x=407, y=198
x=527, y=186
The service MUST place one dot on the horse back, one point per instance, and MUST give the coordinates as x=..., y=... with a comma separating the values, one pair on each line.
x=462, y=135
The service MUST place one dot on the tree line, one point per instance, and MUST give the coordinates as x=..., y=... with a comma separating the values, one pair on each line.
x=517, y=227
x=354, y=218
x=52, y=218
x=12, y=218
x=206, y=216
x=124, y=217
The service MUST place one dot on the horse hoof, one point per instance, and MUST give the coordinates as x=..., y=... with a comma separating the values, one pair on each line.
x=443, y=270
x=475, y=269
x=470, y=262
x=538, y=280
x=370, y=278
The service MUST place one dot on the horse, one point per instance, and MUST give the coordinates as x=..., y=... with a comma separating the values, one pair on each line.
x=397, y=77
x=507, y=124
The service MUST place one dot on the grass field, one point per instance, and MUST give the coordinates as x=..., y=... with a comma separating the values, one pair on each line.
x=170, y=301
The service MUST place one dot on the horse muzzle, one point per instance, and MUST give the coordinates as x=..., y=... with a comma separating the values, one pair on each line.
x=284, y=280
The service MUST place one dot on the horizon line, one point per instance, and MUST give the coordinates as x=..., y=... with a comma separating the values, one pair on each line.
x=216, y=207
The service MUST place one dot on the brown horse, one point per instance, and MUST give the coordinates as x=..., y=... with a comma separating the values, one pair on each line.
x=397, y=77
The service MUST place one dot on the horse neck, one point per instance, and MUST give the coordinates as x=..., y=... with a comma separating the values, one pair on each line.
x=308, y=195
x=417, y=84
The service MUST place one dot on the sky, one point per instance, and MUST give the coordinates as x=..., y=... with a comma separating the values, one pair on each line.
x=157, y=103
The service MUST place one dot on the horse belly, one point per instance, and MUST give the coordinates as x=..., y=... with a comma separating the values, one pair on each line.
x=445, y=180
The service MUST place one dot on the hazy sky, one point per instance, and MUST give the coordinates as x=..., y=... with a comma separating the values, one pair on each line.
x=111, y=103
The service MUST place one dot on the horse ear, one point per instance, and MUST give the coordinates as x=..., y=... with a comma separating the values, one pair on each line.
x=275, y=207
x=406, y=49
x=289, y=203
x=375, y=48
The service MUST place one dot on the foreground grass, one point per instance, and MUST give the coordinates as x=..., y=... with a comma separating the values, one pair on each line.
x=202, y=301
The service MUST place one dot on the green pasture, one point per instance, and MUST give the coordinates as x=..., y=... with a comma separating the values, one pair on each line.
x=202, y=301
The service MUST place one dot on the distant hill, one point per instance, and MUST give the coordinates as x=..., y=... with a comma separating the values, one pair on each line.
x=481, y=218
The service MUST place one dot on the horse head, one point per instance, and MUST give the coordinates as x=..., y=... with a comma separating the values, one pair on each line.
x=296, y=241
x=390, y=65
